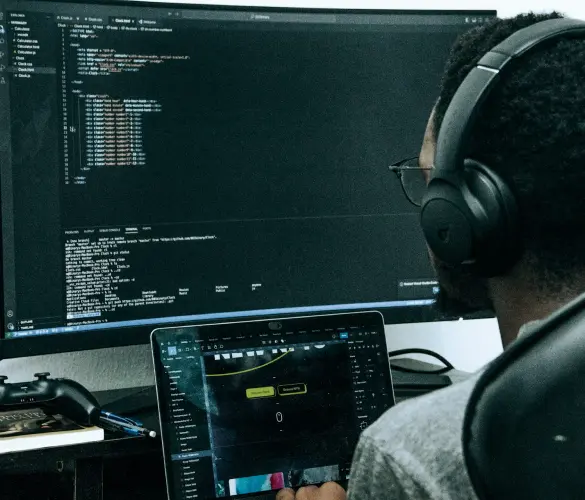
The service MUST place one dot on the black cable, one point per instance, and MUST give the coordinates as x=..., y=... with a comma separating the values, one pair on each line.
x=448, y=366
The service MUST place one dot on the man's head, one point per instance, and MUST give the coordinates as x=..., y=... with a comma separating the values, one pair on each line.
x=531, y=131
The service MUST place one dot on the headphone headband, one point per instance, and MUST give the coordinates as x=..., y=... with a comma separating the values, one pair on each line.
x=467, y=101
x=469, y=214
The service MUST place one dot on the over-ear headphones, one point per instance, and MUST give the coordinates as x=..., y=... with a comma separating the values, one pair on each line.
x=469, y=215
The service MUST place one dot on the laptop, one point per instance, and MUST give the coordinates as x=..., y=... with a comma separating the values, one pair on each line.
x=251, y=407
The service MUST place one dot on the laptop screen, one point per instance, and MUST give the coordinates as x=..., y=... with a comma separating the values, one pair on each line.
x=262, y=405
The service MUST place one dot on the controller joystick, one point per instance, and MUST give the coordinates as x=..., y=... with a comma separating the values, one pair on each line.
x=63, y=396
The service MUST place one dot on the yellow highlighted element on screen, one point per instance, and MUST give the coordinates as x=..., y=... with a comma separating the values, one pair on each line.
x=260, y=392
x=292, y=389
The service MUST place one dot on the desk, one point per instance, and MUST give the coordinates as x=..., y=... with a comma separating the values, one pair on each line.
x=118, y=468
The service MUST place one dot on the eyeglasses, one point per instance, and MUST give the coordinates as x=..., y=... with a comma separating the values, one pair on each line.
x=412, y=179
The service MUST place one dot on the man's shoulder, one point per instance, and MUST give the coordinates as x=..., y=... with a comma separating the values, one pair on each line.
x=423, y=438
x=423, y=417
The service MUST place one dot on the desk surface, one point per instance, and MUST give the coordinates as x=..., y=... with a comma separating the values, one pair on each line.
x=113, y=446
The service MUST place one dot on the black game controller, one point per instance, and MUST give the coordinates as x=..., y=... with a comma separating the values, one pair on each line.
x=63, y=396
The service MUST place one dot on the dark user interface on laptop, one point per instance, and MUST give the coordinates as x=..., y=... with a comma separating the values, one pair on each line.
x=248, y=409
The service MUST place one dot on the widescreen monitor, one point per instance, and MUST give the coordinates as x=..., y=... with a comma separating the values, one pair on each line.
x=164, y=164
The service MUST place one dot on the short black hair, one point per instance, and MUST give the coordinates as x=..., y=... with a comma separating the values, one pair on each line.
x=531, y=131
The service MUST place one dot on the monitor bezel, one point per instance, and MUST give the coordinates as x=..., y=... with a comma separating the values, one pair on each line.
x=137, y=335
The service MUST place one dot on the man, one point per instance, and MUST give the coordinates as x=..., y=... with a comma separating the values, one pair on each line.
x=532, y=132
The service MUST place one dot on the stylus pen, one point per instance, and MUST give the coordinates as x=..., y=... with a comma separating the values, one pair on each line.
x=126, y=427
x=118, y=418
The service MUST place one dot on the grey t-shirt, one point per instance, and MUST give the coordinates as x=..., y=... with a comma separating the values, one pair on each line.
x=414, y=450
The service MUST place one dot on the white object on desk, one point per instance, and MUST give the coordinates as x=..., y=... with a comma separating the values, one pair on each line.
x=468, y=344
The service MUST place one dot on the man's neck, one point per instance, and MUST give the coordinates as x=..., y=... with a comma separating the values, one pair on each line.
x=517, y=302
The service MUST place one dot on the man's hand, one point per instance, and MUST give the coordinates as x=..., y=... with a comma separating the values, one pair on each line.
x=329, y=491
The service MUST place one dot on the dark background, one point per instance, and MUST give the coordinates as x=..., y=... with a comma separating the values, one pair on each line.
x=318, y=428
x=262, y=123
x=275, y=141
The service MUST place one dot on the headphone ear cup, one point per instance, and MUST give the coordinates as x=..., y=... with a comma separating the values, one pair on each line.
x=498, y=240
x=445, y=223
x=471, y=219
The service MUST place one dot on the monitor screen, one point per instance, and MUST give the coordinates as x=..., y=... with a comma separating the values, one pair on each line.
x=162, y=164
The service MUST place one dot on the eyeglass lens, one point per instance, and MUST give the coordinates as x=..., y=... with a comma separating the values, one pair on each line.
x=413, y=181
